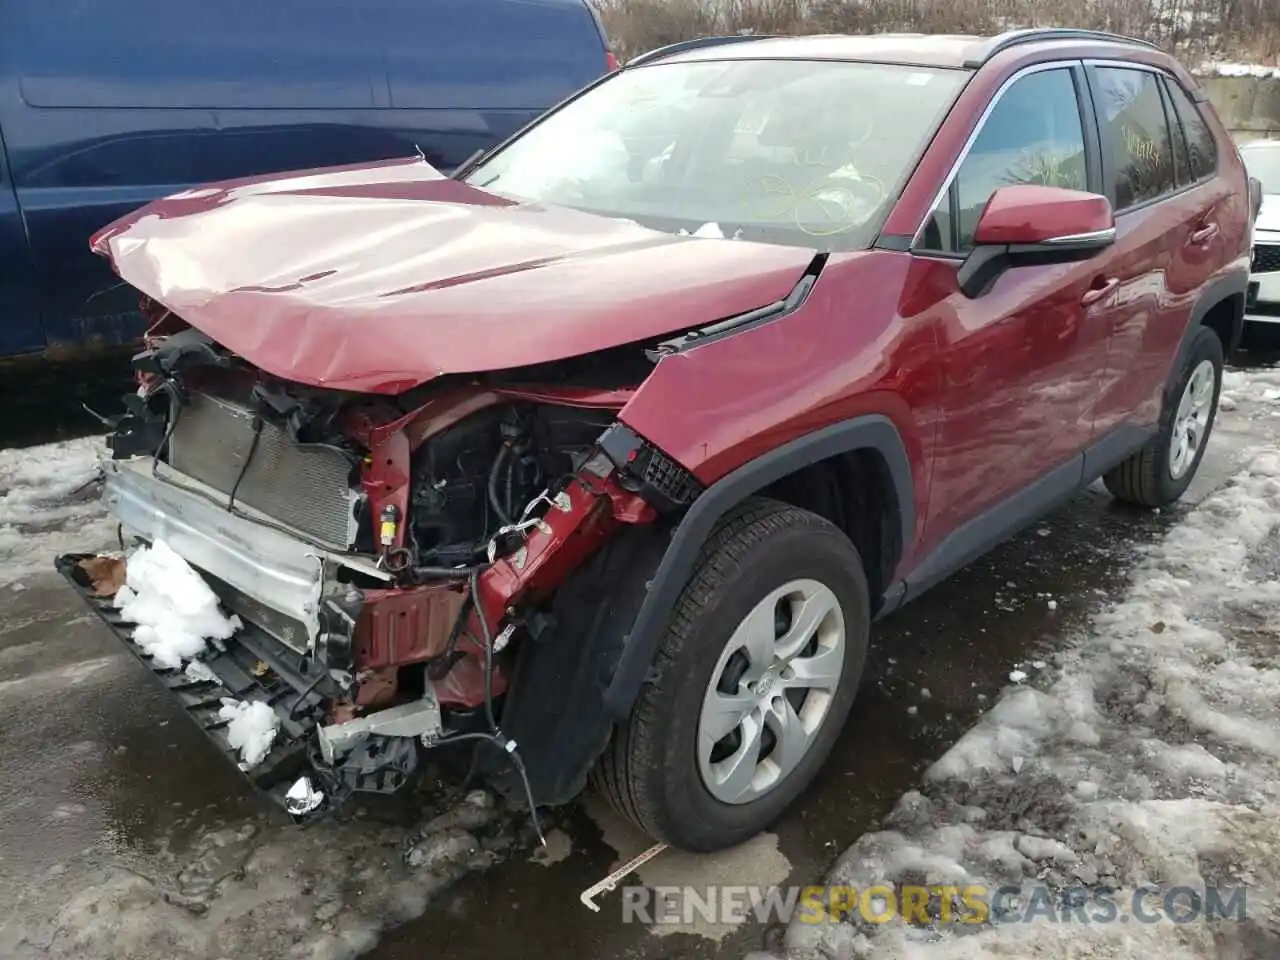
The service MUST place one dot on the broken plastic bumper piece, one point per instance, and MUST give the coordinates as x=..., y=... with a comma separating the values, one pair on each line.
x=249, y=666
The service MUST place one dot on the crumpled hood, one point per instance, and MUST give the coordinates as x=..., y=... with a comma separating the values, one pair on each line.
x=380, y=277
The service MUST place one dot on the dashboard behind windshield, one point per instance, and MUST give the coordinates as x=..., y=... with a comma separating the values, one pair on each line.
x=801, y=152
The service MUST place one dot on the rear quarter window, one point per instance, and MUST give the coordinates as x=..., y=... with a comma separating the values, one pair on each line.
x=1202, y=148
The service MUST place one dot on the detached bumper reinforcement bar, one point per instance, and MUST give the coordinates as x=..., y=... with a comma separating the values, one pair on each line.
x=250, y=666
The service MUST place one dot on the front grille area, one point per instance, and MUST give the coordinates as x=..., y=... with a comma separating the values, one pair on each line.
x=306, y=487
x=1266, y=258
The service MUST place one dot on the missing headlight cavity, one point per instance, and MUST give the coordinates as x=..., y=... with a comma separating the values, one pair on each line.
x=788, y=304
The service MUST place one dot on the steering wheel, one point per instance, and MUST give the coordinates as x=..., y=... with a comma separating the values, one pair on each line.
x=832, y=205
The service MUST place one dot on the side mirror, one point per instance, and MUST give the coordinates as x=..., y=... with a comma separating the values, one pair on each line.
x=1027, y=225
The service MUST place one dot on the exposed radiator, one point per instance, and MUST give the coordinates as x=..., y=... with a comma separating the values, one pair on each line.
x=306, y=487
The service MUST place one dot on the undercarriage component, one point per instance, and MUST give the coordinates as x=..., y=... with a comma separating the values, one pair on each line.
x=376, y=764
x=419, y=719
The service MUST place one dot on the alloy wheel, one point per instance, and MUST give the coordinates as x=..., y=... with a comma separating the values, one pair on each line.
x=1191, y=421
x=770, y=691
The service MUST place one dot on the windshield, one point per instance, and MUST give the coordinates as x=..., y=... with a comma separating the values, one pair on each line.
x=1264, y=163
x=808, y=153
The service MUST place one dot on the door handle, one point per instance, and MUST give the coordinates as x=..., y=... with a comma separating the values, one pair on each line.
x=1203, y=234
x=1094, y=294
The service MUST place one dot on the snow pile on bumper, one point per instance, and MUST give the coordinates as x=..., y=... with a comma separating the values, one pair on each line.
x=174, y=609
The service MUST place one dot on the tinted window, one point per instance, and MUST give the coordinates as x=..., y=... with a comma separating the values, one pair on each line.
x=1136, y=132
x=1033, y=135
x=810, y=153
x=1201, y=146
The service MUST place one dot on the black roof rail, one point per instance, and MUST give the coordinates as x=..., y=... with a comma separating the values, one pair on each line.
x=1031, y=35
x=694, y=44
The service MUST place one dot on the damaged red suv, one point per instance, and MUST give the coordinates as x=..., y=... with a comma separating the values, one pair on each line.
x=600, y=457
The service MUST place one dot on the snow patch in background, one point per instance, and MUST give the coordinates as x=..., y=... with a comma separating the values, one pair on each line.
x=251, y=728
x=1147, y=752
x=1239, y=70
x=49, y=505
x=174, y=608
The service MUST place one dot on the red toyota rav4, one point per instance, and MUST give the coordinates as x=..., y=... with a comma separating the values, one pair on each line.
x=600, y=456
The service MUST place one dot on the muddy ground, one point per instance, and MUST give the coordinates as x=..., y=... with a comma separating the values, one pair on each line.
x=123, y=834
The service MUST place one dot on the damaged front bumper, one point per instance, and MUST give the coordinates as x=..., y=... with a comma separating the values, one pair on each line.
x=293, y=651
x=312, y=766
x=249, y=666
x=362, y=669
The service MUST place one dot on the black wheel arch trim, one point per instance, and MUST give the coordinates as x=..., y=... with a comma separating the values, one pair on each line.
x=873, y=432
x=1223, y=288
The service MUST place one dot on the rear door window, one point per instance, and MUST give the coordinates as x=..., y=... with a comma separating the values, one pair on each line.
x=1135, y=135
x=1201, y=146
x=1033, y=135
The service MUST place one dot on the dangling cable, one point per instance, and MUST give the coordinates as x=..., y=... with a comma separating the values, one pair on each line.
x=496, y=736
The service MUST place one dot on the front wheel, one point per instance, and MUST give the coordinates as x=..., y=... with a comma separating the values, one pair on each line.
x=1161, y=471
x=752, y=682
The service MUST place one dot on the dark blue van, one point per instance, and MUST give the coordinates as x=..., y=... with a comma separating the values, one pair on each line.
x=104, y=106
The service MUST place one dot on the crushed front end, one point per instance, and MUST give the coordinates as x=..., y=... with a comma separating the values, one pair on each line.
x=387, y=557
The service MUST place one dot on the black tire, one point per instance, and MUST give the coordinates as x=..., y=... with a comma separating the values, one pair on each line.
x=650, y=773
x=1145, y=478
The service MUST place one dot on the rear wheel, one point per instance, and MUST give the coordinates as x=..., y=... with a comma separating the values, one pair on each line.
x=753, y=679
x=1161, y=471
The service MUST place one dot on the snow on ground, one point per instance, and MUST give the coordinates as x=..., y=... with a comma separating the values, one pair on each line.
x=49, y=505
x=174, y=608
x=1146, y=753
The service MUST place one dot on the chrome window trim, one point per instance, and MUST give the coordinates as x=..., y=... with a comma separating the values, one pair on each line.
x=977, y=131
x=1094, y=236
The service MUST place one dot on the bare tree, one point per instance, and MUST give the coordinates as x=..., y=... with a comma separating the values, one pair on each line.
x=1244, y=29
